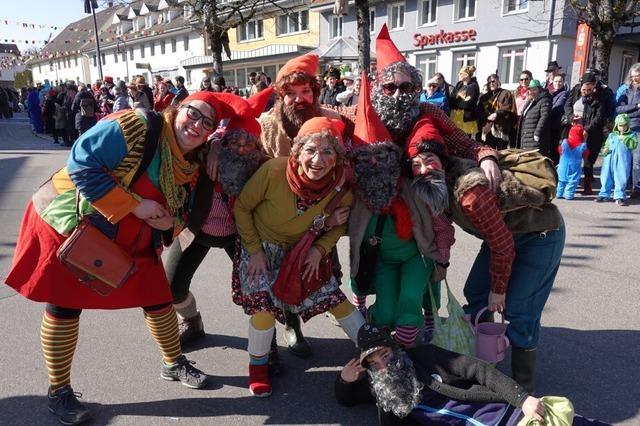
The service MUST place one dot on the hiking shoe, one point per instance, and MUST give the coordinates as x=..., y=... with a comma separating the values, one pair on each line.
x=184, y=372
x=64, y=404
x=191, y=330
x=622, y=203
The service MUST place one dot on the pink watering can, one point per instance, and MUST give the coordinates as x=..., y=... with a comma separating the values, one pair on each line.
x=491, y=342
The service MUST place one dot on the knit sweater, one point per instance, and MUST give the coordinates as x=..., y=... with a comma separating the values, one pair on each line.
x=266, y=211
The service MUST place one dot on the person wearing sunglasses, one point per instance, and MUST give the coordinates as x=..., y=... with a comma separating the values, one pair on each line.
x=522, y=91
x=129, y=176
x=496, y=114
x=435, y=95
x=464, y=101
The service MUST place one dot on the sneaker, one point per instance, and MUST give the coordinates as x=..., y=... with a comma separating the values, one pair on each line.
x=600, y=199
x=184, y=372
x=64, y=404
x=259, y=381
x=622, y=203
x=191, y=330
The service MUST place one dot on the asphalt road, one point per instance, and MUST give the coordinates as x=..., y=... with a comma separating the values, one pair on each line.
x=589, y=348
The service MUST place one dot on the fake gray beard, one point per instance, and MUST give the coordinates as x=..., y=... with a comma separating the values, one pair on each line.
x=234, y=170
x=397, y=388
x=397, y=114
x=377, y=184
x=432, y=190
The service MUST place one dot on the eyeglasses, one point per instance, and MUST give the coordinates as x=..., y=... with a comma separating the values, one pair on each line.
x=194, y=114
x=432, y=85
x=325, y=152
x=391, y=88
x=493, y=81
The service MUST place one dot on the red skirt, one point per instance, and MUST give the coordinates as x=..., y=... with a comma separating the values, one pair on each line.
x=38, y=275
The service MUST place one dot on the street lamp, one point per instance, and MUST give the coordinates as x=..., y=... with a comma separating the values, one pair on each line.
x=123, y=43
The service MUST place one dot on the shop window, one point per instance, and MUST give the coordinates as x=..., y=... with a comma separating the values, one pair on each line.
x=515, y=6
x=427, y=65
x=461, y=59
x=250, y=30
x=395, y=15
x=270, y=71
x=229, y=77
x=335, y=27
x=427, y=12
x=242, y=78
x=465, y=9
x=510, y=64
x=372, y=20
x=293, y=22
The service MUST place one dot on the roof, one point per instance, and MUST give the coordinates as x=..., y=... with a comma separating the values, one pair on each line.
x=342, y=48
x=9, y=48
x=270, y=51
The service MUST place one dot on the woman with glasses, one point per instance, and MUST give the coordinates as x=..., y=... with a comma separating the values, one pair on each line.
x=210, y=223
x=496, y=114
x=278, y=205
x=465, y=101
x=522, y=91
x=129, y=176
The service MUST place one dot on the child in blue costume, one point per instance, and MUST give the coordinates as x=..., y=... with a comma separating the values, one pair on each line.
x=618, y=158
x=572, y=151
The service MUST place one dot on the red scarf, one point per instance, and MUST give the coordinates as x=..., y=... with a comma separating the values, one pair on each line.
x=401, y=216
x=312, y=190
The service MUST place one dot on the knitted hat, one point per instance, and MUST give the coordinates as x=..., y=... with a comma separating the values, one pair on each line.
x=623, y=120
x=535, y=84
x=226, y=105
x=426, y=138
x=307, y=64
x=368, y=126
x=108, y=79
x=318, y=124
x=371, y=338
x=248, y=122
x=576, y=135
x=386, y=51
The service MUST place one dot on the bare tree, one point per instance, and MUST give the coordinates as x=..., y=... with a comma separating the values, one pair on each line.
x=605, y=17
x=364, y=35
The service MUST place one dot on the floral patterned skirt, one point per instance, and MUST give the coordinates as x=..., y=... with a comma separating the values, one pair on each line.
x=258, y=296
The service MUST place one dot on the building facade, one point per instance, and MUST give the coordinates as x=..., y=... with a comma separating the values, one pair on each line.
x=9, y=64
x=497, y=36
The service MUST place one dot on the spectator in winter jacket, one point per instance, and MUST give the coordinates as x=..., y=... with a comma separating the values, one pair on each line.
x=182, y=91
x=121, y=100
x=49, y=112
x=618, y=157
x=588, y=107
x=163, y=98
x=143, y=87
x=105, y=101
x=137, y=98
x=559, y=98
x=72, y=132
x=464, y=101
x=85, y=109
x=533, y=132
x=435, y=95
x=572, y=151
x=444, y=86
x=329, y=92
x=629, y=103
x=349, y=96
x=496, y=114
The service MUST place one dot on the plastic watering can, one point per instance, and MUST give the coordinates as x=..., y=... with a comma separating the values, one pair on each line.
x=491, y=342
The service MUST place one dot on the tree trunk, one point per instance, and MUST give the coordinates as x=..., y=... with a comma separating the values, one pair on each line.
x=364, y=36
x=216, y=50
x=603, y=45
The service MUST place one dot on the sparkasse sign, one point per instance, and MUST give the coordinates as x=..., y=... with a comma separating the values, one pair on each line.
x=443, y=37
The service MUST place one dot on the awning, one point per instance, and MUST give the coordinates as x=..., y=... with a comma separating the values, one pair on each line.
x=255, y=55
x=341, y=48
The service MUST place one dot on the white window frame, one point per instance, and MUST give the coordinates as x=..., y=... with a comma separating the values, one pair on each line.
x=624, y=73
x=457, y=8
x=512, y=52
x=187, y=11
x=519, y=7
x=293, y=15
x=340, y=24
x=466, y=53
x=372, y=20
x=434, y=18
x=431, y=59
x=401, y=16
x=258, y=31
x=148, y=21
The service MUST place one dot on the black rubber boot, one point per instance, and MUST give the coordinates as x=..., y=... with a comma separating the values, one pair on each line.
x=296, y=342
x=523, y=365
x=275, y=365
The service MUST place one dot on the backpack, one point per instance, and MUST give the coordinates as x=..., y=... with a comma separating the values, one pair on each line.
x=532, y=169
x=87, y=107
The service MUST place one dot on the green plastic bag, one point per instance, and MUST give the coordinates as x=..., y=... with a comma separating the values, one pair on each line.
x=453, y=333
x=558, y=411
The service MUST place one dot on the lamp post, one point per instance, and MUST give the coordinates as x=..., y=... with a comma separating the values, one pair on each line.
x=124, y=49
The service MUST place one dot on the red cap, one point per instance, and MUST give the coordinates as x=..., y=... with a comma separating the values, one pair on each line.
x=426, y=138
x=108, y=79
x=307, y=64
x=576, y=135
x=318, y=124
x=386, y=50
x=368, y=126
x=257, y=104
x=226, y=105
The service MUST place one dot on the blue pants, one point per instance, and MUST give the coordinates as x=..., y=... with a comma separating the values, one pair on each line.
x=615, y=172
x=635, y=175
x=533, y=273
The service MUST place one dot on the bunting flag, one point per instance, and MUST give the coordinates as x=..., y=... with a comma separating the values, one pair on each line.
x=27, y=24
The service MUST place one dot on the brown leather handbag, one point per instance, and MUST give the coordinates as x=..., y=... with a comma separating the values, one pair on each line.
x=98, y=261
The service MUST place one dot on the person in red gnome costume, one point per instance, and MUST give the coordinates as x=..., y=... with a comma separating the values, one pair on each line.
x=396, y=99
x=210, y=223
x=391, y=231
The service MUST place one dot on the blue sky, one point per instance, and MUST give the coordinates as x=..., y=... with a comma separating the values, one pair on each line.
x=45, y=12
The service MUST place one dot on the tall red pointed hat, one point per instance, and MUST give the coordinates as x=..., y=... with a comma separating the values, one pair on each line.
x=249, y=122
x=368, y=126
x=386, y=50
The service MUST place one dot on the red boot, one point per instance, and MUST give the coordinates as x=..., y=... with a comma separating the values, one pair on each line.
x=259, y=381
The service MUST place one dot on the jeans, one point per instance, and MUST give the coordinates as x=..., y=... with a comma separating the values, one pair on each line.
x=532, y=275
x=182, y=265
x=635, y=172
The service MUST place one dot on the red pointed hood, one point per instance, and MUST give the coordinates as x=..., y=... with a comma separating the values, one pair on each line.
x=368, y=126
x=386, y=50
